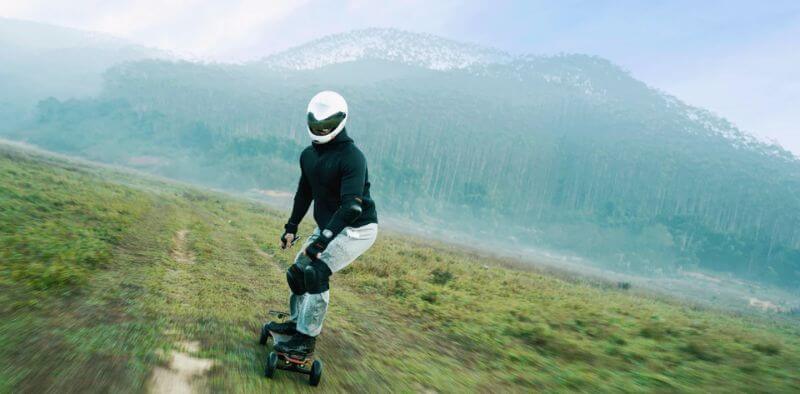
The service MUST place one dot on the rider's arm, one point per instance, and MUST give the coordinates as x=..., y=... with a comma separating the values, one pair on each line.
x=354, y=174
x=302, y=200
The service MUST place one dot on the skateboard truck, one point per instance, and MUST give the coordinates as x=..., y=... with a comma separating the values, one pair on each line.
x=305, y=365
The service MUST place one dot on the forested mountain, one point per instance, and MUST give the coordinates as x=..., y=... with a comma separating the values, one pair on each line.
x=39, y=61
x=566, y=152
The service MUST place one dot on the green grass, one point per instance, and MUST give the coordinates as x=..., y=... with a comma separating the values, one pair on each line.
x=98, y=288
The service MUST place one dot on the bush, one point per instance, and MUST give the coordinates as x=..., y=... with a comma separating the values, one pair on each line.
x=701, y=351
x=768, y=348
x=441, y=277
x=430, y=297
x=401, y=288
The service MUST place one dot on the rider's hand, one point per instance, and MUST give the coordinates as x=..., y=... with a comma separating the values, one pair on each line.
x=314, y=250
x=287, y=240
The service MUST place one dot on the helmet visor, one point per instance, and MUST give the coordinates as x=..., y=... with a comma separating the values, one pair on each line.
x=325, y=126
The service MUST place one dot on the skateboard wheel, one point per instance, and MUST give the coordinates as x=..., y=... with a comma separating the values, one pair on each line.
x=264, y=335
x=272, y=364
x=316, y=373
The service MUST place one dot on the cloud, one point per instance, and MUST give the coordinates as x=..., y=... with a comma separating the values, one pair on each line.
x=236, y=30
x=208, y=29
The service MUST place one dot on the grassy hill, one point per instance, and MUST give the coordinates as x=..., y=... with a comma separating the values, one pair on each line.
x=115, y=282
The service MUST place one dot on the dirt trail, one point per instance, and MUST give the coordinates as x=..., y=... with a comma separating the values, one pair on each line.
x=180, y=251
x=183, y=368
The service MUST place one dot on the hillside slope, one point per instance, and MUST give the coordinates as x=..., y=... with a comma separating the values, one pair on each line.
x=112, y=281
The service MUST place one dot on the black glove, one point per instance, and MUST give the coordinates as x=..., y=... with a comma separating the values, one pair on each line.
x=284, y=243
x=319, y=244
x=291, y=228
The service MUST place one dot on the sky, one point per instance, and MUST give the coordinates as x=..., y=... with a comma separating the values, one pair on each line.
x=739, y=59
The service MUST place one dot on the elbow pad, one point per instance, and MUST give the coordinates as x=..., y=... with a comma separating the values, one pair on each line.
x=347, y=213
x=352, y=210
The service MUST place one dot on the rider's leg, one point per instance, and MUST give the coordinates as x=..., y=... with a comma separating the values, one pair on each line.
x=296, y=281
x=309, y=310
x=342, y=250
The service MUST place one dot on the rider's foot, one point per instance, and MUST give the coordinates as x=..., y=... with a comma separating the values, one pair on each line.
x=285, y=328
x=300, y=344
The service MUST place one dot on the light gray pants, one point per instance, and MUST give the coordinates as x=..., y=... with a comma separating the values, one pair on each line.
x=308, y=310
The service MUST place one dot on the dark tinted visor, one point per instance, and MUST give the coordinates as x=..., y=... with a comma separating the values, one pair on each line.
x=325, y=126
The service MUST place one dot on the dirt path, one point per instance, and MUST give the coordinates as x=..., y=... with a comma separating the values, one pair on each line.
x=180, y=251
x=182, y=370
x=183, y=367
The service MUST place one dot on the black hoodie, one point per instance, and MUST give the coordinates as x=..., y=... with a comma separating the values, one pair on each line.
x=332, y=174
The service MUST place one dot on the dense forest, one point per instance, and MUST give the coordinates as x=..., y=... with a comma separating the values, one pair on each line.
x=565, y=152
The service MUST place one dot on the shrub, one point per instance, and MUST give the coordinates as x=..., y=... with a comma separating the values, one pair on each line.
x=768, y=348
x=701, y=351
x=431, y=297
x=440, y=276
x=400, y=288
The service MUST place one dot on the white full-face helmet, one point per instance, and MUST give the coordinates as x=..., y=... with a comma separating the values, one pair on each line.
x=327, y=114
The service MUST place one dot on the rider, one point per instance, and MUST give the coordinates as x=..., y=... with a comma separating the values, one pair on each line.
x=333, y=173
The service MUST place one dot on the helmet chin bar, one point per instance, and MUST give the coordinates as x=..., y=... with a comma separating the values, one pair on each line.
x=323, y=139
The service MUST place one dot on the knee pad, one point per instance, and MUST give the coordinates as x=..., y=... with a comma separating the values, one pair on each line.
x=316, y=275
x=294, y=276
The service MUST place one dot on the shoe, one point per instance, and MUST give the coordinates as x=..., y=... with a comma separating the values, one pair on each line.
x=300, y=344
x=285, y=328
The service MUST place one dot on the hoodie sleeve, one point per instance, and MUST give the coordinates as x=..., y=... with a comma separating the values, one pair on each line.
x=354, y=174
x=302, y=201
